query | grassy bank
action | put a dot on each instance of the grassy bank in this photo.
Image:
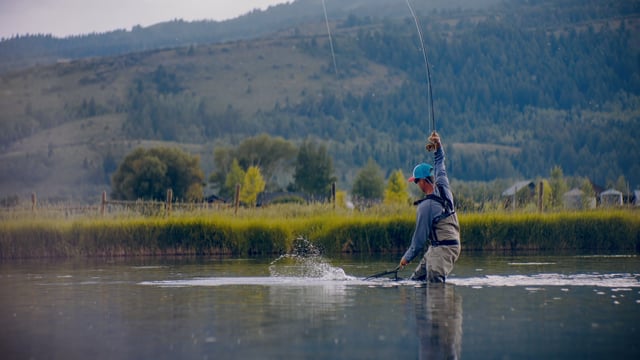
(272, 231)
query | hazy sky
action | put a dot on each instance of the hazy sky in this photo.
(73, 17)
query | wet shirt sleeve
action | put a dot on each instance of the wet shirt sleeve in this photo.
(421, 232)
(440, 172)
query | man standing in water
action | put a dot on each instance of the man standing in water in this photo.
(436, 221)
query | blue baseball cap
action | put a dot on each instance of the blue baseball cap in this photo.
(421, 171)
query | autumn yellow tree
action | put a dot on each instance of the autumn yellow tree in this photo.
(341, 199)
(396, 191)
(252, 185)
(234, 176)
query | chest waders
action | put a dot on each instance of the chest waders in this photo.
(444, 238)
(444, 229)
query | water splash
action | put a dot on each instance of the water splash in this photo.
(306, 261)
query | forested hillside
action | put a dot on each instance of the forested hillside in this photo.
(518, 88)
(24, 50)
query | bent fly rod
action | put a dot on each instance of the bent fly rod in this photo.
(432, 122)
(385, 273)
(333, 54)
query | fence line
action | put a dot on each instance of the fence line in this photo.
(167, 206)
(105, 206)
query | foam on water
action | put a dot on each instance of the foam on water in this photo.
(305, 266)
(530, 263)
(256, 281)
(337, 277)
(607, 256)
(552, 279)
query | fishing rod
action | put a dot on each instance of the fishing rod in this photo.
(333, 54)
(385, 273)
(432, 123)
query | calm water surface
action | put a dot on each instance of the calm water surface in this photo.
(494, 307)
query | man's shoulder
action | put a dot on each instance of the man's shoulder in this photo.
(428, 200)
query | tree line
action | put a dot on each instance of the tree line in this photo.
(566, 95)
(538, 84)
(148, 173)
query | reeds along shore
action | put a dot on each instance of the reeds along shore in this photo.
(272, 231)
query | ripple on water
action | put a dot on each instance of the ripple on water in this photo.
(616, 281)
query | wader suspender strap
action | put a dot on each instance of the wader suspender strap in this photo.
(447, 210)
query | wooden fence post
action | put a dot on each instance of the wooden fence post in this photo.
(237, 198)
(103, 203)
(169, 200)
(540, 197)
(333, 194)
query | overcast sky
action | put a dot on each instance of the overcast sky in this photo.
(74, 17)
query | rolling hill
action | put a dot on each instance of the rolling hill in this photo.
(518, 88)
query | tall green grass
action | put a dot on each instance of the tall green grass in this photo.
(594, 230)
(273, 230)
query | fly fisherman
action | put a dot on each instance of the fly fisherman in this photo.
(436, 221)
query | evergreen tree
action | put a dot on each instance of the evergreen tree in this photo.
(314, 170)
(369, 182)
(109, 165)
(547, 194)
(621, 185)
(558, 186)
(588, 193)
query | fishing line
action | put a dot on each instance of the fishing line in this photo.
(333, 54)
(432, 123)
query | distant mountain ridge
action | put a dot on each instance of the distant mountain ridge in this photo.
(518, 88)
(40, 49)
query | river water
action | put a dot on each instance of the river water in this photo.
(493, 307)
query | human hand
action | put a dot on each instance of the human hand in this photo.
(433, 142)
(434, 138)
(403, 263)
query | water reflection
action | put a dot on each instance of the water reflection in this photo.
(526, 307)
(308, 302)
(439, 322)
